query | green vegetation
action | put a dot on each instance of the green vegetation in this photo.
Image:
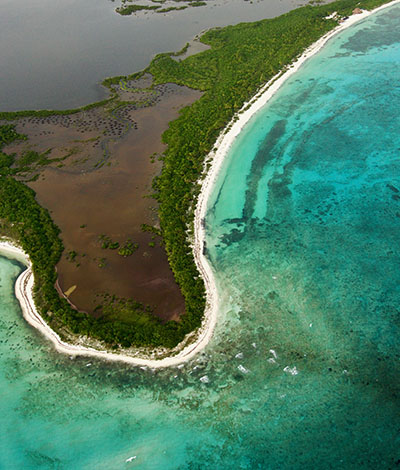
(31, 160)
(128, 249)
(8, 134)
(123, 85)
(151, 229)
(13, 115)
(241, 59)
(125, 9)
(182, 51)
(28, 161)
(132, 323)
(28, 223)
(107, 243)
(109, 81)
(71, 256)
(129, 9)
(166, 10)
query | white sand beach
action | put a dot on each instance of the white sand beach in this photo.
(224, 143)
(24, 283)
(24, 294)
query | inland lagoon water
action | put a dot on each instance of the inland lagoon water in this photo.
(303, 368)
(54, 55)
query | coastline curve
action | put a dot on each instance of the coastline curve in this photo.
(24, 283)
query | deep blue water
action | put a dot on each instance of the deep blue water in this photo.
(303, 233)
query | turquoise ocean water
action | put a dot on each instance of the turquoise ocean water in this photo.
(303, 233)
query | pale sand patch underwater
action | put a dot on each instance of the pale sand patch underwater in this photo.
(223, 145)
(183, 352)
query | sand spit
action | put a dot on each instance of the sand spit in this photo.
(24, 283)
(24, 294)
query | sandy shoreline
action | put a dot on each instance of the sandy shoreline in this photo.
(24, 294)
(224, 143)
(24, 283)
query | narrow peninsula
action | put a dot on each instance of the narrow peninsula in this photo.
(217, 91)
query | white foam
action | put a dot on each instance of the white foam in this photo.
(291, 370)
(272, 351)
(243, 369)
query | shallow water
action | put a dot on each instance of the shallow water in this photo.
(54, 55)
(302, 371)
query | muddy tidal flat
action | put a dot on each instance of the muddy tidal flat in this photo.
(99, 191)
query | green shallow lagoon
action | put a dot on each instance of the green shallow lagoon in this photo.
(303, 233)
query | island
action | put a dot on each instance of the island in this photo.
(215, 92)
